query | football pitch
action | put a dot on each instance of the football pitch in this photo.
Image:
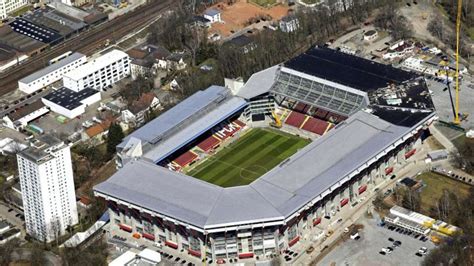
(248, 158)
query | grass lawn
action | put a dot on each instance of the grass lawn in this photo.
(248, 158)
(264, 3)
(434, 186)
(20, 11)
(310, 2)
(470, 32)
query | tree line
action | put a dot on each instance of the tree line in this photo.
(174, 32)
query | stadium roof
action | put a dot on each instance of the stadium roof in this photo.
(69, 99)
(276, 195)
(259, 83)
(345, 69)
(192, 117)
(61, 63)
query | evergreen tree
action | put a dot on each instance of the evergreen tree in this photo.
(114, 137)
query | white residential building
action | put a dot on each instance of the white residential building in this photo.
(7, 6)
(51, 73)
(289, 23)
(47, 186)
(213, 15)
(99, 73)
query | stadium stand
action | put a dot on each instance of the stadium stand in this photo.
(321, 113)
(228, 129)
(316, 125)
(295, 119)
(186, 159)
(181, 125)
(209, 144)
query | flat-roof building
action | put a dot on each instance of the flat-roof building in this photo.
(99, 73)
(51, 73)
(70, 103)
(21, 117)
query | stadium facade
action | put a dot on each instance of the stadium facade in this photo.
(369, 139)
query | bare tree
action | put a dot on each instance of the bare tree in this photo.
(435, 27)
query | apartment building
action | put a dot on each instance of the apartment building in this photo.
(51, 74)
(7, 6)
(99, 73)
(47, 186)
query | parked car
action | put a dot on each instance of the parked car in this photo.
(355, 236)
(386, 250)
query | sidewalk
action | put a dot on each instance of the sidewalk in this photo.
(442, 139)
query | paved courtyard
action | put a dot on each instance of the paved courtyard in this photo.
(365, 251)
(443, 104)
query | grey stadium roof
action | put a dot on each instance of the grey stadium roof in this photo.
(38, 74)
(259, 83)
(275, 195)
(185, 121)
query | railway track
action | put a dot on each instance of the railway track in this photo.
(86, 42)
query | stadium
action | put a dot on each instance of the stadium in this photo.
(250, 171)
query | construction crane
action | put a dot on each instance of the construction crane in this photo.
(277, 121)
(457, 121)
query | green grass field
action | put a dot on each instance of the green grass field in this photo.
(264, 3)
(435, 184)
(248, 158)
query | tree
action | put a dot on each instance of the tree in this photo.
(390, 19)
(435, 27)
(378, 202)
(114, 137)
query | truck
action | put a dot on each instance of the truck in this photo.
(34, 129)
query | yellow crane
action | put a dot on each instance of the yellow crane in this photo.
(277, 121)
(458, 32)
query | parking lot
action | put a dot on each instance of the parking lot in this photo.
(12, 216)
(365, 251)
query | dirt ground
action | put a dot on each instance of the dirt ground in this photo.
(234, 16)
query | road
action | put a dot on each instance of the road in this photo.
(86, 42)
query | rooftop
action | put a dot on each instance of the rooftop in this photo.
(53, 19)
(69, 99)
(36, 153)
(26, 110)
(275, 195)
(241, 40)
(191, 117)
(259, 83)
(35, 31)
(96, 64)
(212, 12)
(18, 41)
(38, 74)
(348, 70)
